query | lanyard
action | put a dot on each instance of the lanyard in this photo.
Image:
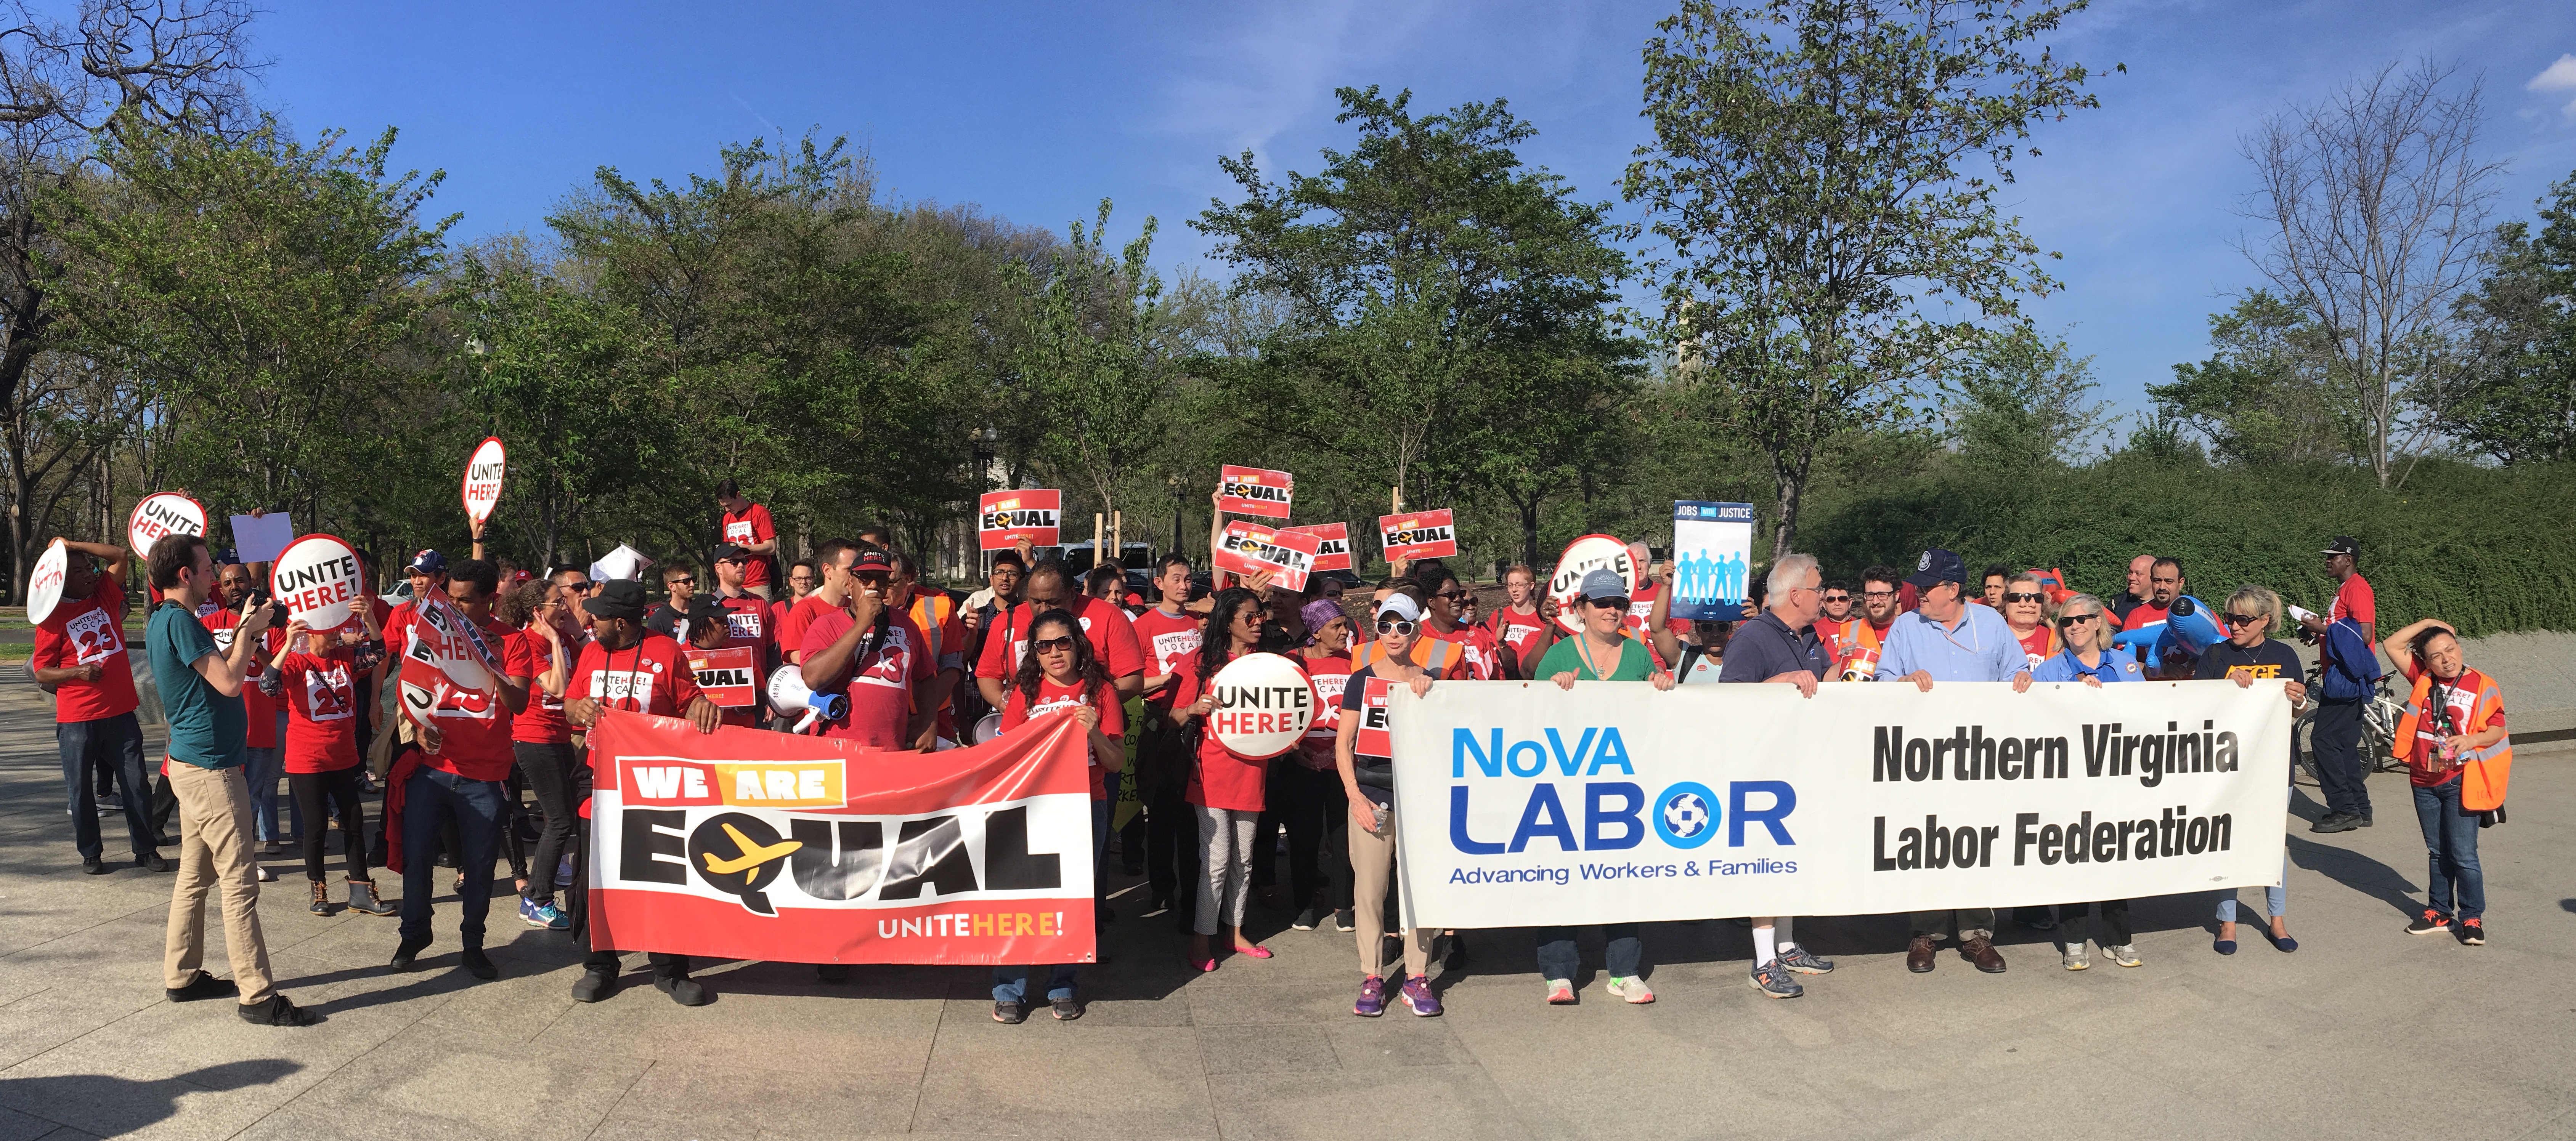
(1583, 650)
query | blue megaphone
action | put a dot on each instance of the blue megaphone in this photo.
(789, 698)
(2188, 627)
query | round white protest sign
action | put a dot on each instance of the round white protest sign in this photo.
(317, 578)
(1264, 705)
(1581, 557)
(45, 587)
(483, 479)
(163, 513)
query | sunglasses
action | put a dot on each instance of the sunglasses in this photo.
(1608, 603)
(1394, 626)
(2072, 619)
(1837, 598)
(1453, 595)
(2017, 596)
(681, 582)
(1053, 645)
(2243, 619)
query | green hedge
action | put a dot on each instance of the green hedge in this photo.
(2487, 549)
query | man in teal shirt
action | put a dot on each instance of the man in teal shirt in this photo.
(209, 730)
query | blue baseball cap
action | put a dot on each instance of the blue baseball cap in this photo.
(427, 562)
(1938, 566)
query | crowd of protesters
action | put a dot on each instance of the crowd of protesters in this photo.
(252, 698)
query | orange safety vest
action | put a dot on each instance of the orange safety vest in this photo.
(2484, 772)
(1449, 656)
(931, 611)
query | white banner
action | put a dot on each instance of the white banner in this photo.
(1518, 804)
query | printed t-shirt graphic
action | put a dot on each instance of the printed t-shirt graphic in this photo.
(650, 676)
(474, 726)
(1166, 641)
(752, 526)
(83, 632)
(321, 695)
(879, 684)
(1016, 711)
(1331, 674)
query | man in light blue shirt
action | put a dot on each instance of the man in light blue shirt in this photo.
(1945, 639)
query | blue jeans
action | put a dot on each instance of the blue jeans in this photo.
(108, 745)
(2451, 838)
(1558, 959)
(2276, 900)
(430, 797)
(1011, 984)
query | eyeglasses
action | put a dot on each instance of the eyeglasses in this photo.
(1053, 645)
(1394, 626)
(1878, 594)
(2244, 619)
(2018, 596)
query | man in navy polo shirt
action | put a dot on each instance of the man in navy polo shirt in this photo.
(1780, 646)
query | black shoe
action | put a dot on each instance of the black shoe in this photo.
(480, 965)
(152, 862)
(2365, 820)
(595, 984)
(94, 866)
(1161, 904)
(2429, 922)
(203, 986)
(1010, 1013)
(1065, 1009)
(405, 953)
(2335, 822)
(164, 840)
(277, 1011)
(683, 990)
(832, 972)
(1308, 919)
(1342, 920)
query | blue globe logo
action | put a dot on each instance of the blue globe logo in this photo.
(1686, 815)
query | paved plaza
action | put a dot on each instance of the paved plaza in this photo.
(2364, 1032)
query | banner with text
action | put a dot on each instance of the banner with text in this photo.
(747, 844)
(1250, 548)
(1712, 560)
(1006, 517)
(1254, 491)
(730, 676)
(1332, 544)
(1521, 804)
(1418, 535)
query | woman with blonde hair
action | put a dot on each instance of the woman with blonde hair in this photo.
(2247, 656)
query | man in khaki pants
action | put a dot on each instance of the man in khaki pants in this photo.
(201, 695)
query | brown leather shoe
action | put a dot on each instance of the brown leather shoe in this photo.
(1983, 954)
(1918, 955)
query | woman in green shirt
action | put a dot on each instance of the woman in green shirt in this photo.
(1602, 652)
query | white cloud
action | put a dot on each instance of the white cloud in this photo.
(2558, 76)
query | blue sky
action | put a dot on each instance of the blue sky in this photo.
(1036, 111)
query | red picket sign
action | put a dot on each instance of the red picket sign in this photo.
(730, 677)
(1003, 518)
(1418, 535)
(1249, 548)
(1371, 740)
(1333, 551)
(1254, 491)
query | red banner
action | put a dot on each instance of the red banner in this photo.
(1333, 544)
(1006, 517)
(1254, 491)
(730, 677)
(1250, 548)
(1418, 535)
(747, 844)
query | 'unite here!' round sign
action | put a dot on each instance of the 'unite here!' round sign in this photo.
(1264, 705)
(163, 513)
(317, 578)
(45, 587)
(483, 479)
(1582, 556)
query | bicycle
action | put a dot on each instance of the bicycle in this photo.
(2380, 715)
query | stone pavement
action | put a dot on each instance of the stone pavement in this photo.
(2365, 1031)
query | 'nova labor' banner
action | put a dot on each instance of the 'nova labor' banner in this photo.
(1254, 491)
(1006, 517)
(753, 845)
(1520, 804)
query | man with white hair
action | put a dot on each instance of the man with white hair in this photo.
(1780, 646)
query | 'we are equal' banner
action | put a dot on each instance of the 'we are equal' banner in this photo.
(1518, 804)
(755, 845)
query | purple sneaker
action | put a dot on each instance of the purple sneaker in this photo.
(1372, 998)
(1419, 999)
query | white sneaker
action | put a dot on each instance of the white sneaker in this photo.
(265, 875)
(2124, 954)
(2074, 958)
(1630, 988)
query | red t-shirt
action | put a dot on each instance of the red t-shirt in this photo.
(527, 654)
(647, 677)
(880, 684)
(89, 631)
(1513, 628)
(1223, 780)
(475, 732)
(747, 624)
(1166, 640)
(1113, 639)
(259, 706)
(2354, 600)
(2145, 614)
(791, 629)
(1484, 663)
(321, 695)
(1642, 604)
(2424, 767)
(752, 526)
(1332, 674)
(2039, 645)
(1052, 697)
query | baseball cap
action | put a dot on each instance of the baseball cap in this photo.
(872, 560)
(1400, 606)
(2342, 545)
(1938, 566)
(617, 598)
(1602, 582)
(729, 551)
(427, 562)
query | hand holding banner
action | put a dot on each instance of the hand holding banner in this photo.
(730, 676)
(1418, 535)
(483, 471)
(1582, 556)
(1333, 544)
(163, 513)
(1249, 548)
(1712, 560)
(1254, 491)
(45, 587)
(318, 579)
(1003, 518)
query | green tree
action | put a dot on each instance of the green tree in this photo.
(2022, 402)
(1095, 362)
(1826, 173)
(2521, 407)
(2263, 397)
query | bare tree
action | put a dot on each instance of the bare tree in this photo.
(171, 62)
(2375, 207)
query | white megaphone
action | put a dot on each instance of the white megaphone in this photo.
(789, 697)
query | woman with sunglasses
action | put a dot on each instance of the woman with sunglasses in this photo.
(1368, 781)
(2025, 611)
(2084, 629)
(2249, 655)
(1226, 792)
(1060, 673)
(1601, 652)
